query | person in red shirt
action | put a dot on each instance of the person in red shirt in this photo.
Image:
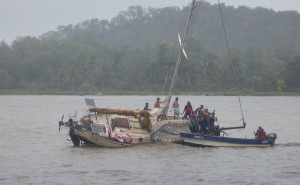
(157, 103)
(260, 133)
(188, 110)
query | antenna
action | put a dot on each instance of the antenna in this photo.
(90, 102)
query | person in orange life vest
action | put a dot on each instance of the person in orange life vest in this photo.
(260, 133)
(157, 103)
(188, 110)
(175, 108)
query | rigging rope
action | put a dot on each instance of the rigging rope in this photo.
(231, 64)
(165, 83)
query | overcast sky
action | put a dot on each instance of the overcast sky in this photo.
(35, 17)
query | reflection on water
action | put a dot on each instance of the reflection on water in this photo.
(34, 152)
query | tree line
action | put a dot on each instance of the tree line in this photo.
(136, 52)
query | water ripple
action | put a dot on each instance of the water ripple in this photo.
(34, 152)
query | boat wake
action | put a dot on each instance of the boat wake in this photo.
(289, 144)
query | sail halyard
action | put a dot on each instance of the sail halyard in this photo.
(181, 53)
(232, 67)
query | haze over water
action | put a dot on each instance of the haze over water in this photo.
(32, 151)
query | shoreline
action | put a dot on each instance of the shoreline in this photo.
(142, 93)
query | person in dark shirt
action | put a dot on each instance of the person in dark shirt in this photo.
(146, 106)
(199, 111)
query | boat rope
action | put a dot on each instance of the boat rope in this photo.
(165, 83)
(231, 64)
(213, 100)
(191, 29)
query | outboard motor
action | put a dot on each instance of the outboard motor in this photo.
(61, 123)
(74, 137)
(271, 136)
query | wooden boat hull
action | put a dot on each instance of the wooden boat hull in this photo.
(104, 141)
(138, 137)
(121, 131)
(218, 141)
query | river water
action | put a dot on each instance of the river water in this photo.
(32, 151)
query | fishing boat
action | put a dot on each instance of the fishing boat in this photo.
(201, 140)
(115, 128)
(212, 138)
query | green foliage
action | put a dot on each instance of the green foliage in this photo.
(293, 72)
(136, 52)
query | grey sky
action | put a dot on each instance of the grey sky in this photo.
(35, 17)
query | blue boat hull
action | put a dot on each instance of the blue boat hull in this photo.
(199, 140)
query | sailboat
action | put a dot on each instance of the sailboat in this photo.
(115, 128)
(200, 140)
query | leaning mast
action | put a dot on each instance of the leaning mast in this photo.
(181, 53)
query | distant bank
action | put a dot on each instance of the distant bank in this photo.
(144, 93)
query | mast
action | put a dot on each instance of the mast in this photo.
(181, 53)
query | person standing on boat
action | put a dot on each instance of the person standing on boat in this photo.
(217, 130)
(188, 110)
(199, 111)
(211, 119)
(204, 121)
(195, 123)
(146, 106)
(175, 108)
(203, 125)
(260, 133)
(157, 103)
